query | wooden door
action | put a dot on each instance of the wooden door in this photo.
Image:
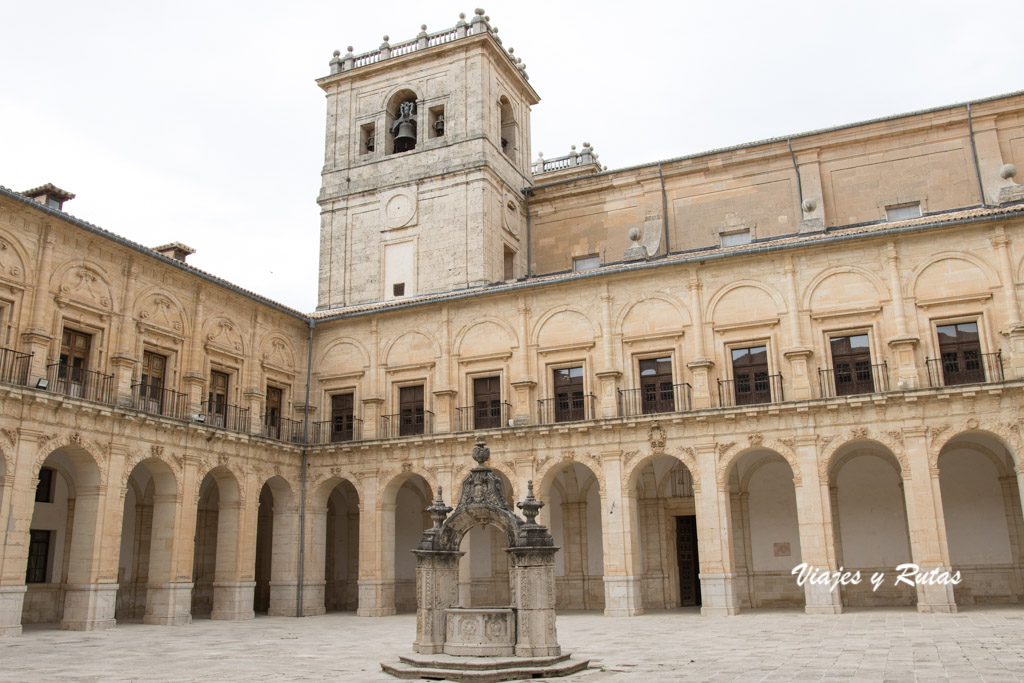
(272, 416)
(960, 351)
(72, 374)
(688, 560)
(750, 375)
(569, 401)
(217, 405)
(851, 364)
(410, 404)
(656, 393)
(342, 417)
(487, 402)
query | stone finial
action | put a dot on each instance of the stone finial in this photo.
(422, 38)
(438, 510)
(479, 12)
(531, 506)
(460, 26)
(1007, 171)
(336, 62)
(635, 251)
(809, 205)
(634, 235)
(481, 453)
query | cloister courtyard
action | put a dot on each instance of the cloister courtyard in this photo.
(869, 644)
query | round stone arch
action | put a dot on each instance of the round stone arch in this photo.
(593, 330)
(229, 487)
(362, 355)
(827, 467)
(676, 304)
(1006, 434)
(90, 468)
(550, 467)
(728, 463)
(21, 270)
(882, 294)
(991, 278)
(142, 312)
(322, 492)
(725, 290)
(634, 467)
(393, 480)
(408, 339)
(869, 448)
(511, 337)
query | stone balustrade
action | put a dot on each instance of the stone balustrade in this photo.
(480, 23)
(573, 159)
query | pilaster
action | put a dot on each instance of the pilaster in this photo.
(620, 534)
(718, 592)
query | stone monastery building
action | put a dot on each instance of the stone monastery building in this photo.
(713, 368)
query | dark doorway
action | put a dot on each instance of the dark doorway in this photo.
(750, 372)
(851, 362)
(960, 349)
(487, 403)
(689, 563)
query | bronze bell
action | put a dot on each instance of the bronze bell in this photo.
(439, 125)
(404, 127)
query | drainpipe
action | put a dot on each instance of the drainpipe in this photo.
(974, 155)
(302, 499)
(799, 184)
(526, 195)
(664, 211)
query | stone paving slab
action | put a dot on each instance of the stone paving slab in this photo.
(979, 644)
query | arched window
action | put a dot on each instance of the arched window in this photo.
(508, 128)
(402, 131)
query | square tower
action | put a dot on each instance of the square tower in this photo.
(427, 153)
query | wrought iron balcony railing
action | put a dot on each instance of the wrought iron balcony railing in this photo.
(159, 401)
(339, 430)
(14, 367)
(750, 391)
(572, 408)
(488, 416)
(225, 416)
(282, 429)
(965, 367)
(856, 379)
(79, 383)
(652, 399)
(406, 423)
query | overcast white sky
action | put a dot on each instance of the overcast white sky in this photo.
(200, 122)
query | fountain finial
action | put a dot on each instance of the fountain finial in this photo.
(481, 453)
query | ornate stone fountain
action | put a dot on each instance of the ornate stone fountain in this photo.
(488, 643)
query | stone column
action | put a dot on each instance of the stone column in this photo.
(89, 600)
(620, 534)
(701, 365)
(36, 340)
(927, 524)
(533, 598)
(233, 586)
(1015, 523)
(437, 589)
(195, 377)
(718, 592)
(814, 517)
(903, 344)
(523, 386)
(574, 533)
(314, 581)
(376, 553)
(284, 550)
(168, 601)
(800, 380)
(1014, 328)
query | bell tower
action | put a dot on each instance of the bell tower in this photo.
(427, 153)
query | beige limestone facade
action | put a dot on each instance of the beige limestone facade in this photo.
(802, 350)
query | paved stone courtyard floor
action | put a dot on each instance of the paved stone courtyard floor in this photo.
(879, 644)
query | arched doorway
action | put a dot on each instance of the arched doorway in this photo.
(277, 548)
(63, 544)
(869, 521)
(146, 587)
(573, 514)
(984, 525)
(403, 518)
(484, 568)
(765, 530)
(341, 557)
(217, 592)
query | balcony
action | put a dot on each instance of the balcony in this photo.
(14, 366)
(158, 401)
(859, 379)
(225, 416)
(650, 400)
(282, 429)
(746, 392)
(407, 423)
(965, 368)
(336, 431)
(488, 416)
(86, 384)
(573, 408)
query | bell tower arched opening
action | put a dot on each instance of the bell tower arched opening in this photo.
(402, 122)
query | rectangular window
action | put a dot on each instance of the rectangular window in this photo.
(656, 391)
(342, 417)
(569, 400)
(903, 212)
(960, 353)
(487, 403)
(272, 415)
(74, 362)
(38, 556)
(851, 365)
(217, 404)
(750, 375)
(732, 239)
(410, 405)
(44, 489)
(586, 262)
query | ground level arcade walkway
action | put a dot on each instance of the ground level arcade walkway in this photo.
(871, 645)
